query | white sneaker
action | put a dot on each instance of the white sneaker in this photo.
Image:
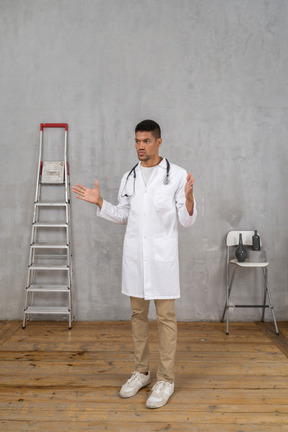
(134, 384)
(161, 392)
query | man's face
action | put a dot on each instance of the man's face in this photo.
(147, 147)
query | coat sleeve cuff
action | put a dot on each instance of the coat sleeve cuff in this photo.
(187, 219)
(101, 211)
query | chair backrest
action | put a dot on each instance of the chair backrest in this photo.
(232, 238)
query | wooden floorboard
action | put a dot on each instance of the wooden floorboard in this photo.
(55, 379)
(280, 340)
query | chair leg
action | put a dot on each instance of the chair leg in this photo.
(227, 322)
(271, 306)
(224, 311)
(265, 294)
(272, 311)
(226, 308)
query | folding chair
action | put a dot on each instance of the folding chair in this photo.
(232, 240)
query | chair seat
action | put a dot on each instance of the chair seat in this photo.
(249, 263)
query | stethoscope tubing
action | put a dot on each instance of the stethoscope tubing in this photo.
(133, 170)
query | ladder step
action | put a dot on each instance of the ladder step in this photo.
(50, 204)
(57, 258)
(50, 225)
(48, 267)
(50, 183)
(48, 288)
(47, 310)
(49, 246)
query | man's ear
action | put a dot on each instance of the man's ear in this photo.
(159, 141)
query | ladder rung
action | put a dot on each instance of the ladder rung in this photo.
(46, 310)
(48, 288)
(56, 257)
(50, 204)
(49, 246)
(50, 224)
(48, 267)
(51, 183)
(252, 306)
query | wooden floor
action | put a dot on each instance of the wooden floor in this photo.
(55, 379)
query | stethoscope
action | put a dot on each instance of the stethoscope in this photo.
(133, 170)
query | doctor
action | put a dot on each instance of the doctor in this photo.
(153, 197)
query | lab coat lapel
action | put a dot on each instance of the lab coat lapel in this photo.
(140, 185)
(139, 174)
(157, 173)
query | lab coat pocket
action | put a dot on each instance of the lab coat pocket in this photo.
(130, 249)
(161, 199)
(165, 249)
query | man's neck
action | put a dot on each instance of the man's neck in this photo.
(151, 163)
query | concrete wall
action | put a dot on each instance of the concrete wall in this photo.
(213, 73)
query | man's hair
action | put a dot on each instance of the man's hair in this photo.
(149, 126)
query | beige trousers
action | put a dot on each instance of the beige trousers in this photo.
(167, 332)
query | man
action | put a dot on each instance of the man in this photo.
(153, 197)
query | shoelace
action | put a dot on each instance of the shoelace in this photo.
(134, 376)
(158, 386)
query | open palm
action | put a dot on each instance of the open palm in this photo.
(86, 194)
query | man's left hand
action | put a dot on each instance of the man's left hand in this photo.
(189, 194)
(189, 188)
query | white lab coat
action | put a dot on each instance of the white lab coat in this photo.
(150, 267)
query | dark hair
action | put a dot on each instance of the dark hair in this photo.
(149, 126)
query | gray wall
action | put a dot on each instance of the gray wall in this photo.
(213, 73)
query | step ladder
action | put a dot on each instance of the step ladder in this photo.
(49, 280)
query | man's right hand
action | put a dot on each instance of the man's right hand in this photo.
(90, 195)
